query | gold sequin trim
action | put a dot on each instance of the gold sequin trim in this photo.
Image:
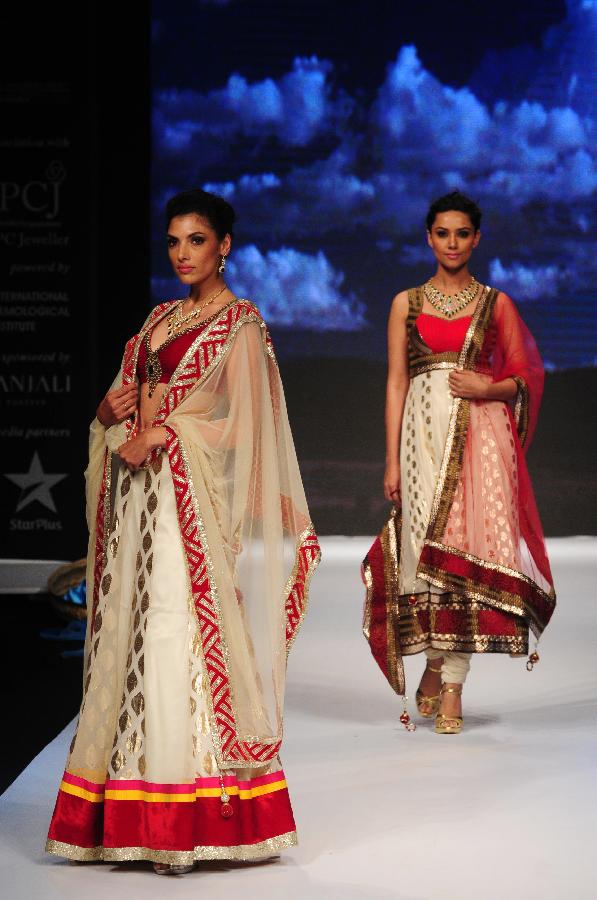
(390, 542)
(313, 563)
(459, 419)
(415, 638)
(521, 409)
(242, 853)
(431, 363)
(479, 644)
(368, 598)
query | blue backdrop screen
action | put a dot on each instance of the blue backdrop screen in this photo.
(331, 126)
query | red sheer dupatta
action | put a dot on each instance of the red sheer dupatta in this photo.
(485, 539)
(516, 356)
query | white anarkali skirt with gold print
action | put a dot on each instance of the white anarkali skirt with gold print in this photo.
(142, 780)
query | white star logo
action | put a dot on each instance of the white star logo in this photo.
(35, 485)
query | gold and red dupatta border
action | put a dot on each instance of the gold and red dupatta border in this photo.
(448, 568)
(500, 586)
(307, 558)
(381, 618)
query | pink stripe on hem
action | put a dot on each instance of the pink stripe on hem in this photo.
(126, 784)
(83, 783)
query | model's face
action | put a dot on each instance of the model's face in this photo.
(194, 248)
(452, 239)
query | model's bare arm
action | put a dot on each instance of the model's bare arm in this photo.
(396, 390)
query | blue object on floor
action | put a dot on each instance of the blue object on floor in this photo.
(77, 595)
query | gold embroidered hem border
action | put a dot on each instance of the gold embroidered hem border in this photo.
(426, 624)
(475, 644)
(242, 853)
(417, 635)
(485, 593)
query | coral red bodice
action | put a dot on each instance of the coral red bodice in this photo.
(442, 335)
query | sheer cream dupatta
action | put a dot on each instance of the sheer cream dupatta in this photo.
(232, 445)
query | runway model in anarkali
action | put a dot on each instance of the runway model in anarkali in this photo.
(461, 566)
(200, 555)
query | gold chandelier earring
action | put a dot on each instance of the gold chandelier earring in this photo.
(222, 265)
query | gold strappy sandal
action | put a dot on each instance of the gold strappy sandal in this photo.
(449, 724)
(165, 869)
(431, 702)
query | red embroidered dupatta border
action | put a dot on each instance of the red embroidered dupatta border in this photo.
(206, 352)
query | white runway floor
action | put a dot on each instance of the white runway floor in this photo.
(505, 810)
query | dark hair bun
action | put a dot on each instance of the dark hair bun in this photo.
(218, 212)
(454, 201)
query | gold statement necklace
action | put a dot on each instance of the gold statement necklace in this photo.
(176, 319)
(450, 304)
(153, 367)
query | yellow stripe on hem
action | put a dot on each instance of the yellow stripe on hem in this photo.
(232, 791)
(77, 791)
(262, 789)
(148, 797)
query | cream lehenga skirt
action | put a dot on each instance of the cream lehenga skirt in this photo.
(142, 780)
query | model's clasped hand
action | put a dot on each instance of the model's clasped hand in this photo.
(118, 405)
(134, 453)
(468, 385)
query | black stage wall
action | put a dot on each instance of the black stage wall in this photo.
(74, 267)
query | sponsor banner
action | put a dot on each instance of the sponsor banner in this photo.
(45, 358)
